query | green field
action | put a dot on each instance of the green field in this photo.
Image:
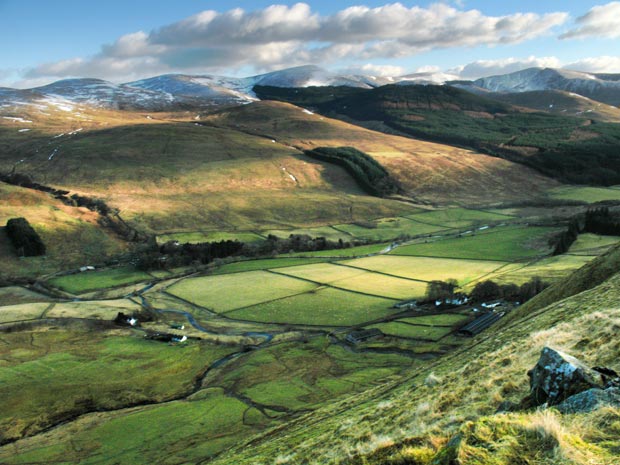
(175, 430)
(426, 333)
(82, 369)
(294, 376)
(499, 244)
(210, 236)
(426, 268)
(227, 292)
(383, 286)
(584, 194)
(327, 232)
(592, 244)
(324, 307)
(444, 319)
(550, 269)
(348, 252)
(323, 273)
(354, 279)
(386, 229)
(458, 217)
(80, 283)
(105, 310)
(13, 295)
(264, 264)
(288, 377)
(20, 312)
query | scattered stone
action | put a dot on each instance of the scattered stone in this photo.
(507, 406)
(558, 376)
(432, 380)
(590, 400)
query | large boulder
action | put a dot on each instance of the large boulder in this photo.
(590, 400)
(558, 376)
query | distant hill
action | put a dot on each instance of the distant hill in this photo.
(601, 87)
(427, 171)
(560, 103)
(569, 149)
(173, 92)
(169, 172)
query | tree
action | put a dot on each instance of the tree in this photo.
(25, 239)
(441, 290)
(531, 288)
(486, 290)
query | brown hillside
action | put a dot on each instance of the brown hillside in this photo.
(427, 170)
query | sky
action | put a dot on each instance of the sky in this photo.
(121, 41)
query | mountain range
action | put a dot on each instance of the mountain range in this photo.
(177, 91)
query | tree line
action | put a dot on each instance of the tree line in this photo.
(486, 291)
(110, 217)
(596, 221)
(369, 174)
(173, 254)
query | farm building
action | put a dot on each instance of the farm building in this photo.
(405, 304)
(479, 324)
(457, 299)
(495, 303)
(356, 337)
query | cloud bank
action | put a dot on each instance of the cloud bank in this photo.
(283, 36)
(600, 21)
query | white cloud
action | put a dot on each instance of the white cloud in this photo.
(376, 70)
(604, 64)
(483, 68)
(282, 36)
(600, 21)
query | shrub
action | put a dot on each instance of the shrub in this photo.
(25, 239)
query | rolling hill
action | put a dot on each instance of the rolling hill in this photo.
(600, 87)
(561, 103)
(427, 171)
(577, 150)
(170, 173)
(239, 169)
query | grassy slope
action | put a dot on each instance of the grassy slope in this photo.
(410, 420)
(286, 378)
(169, 174)
(84, 369)
(563, 147)
(562, 103)
(72, 235)
(426, 170)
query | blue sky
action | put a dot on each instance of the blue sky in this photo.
(124, 40)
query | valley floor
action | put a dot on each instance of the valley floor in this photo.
(268, 339)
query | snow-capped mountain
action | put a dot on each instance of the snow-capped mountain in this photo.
(171, 92)
(99, 93)
(228, 89)
(601, 87)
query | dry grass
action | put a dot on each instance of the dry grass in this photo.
(430, 171)
(72, 235)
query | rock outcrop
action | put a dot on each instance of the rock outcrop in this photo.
(561, 380)
(590, 400)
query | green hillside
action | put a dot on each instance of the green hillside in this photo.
(567, 148)
(561, 103)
